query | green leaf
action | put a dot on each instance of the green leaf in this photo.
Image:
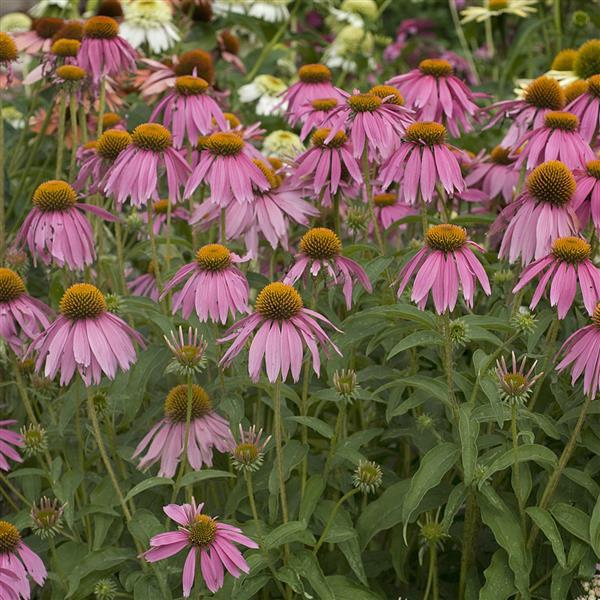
(419, 338)
(468, 428)
(543, 519)
(315, 487)
(438, 389)
(527, 452)
(203, 475)
(147, 484)
(345, 589)
(144, 525)
(455, 500)
(317, 425)
(595, 528)
(292, 531)
(307, 566)
(572, 519)
(499, 580)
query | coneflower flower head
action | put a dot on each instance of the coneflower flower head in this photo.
(35, 439)
(189, 354)
(586, 105)
(47, 517)
(515, 383)
(248, 453)
(345, 383)
(587, 61)
(367, 477)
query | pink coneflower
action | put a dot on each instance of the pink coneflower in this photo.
(314, 113)
(389, 209)
(19, 312)
(542, 95)
(63, 52)
(160, 210)
(587, 193)
(373, 121)
(55, 229)
(587, 107)
(166, 439)
(228, 48)
(214, 286)
(557, 139)
(320, 249)
(284, 328)
(85, 337)
(422, 160)
(540, 215)
(8, 439)
(145, 284)
(445, 261)
(211, 545)
(135, 172)
(495, 175)
(436, 94)
(227, 167)
(315, 82)
(581, 350)
(20, 560)
(188, 110)
(103, 51)
(39, 38)
(8, 55)
(8, 583)
(568, 263)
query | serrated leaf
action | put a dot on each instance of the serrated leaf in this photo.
(543, 519)
(147, 484)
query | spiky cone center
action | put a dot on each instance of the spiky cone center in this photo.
(160, 207)
(276, 163)
(8, 48)
(551, 182)
(230, 42)
(213, 257)
(558, 119)
(82, 301)
(545, 92)
(176, 403)
(314, 73)
(110, 8)
(65, 48)
(573, 250)
(202, 143)
(70, 73)
(9, 537)
(386, 199)
(246, 453)
(576, 89)
(320, 135)
(587, 61)
(101, 28)
(151, 136)
(501, 156)
(202, 531)
(231, 119)
(111, 143)
(320, 243)
(446, 237)
(270, 175)
(433, 532)
(324, 104)
(368, 476)
(426, 132)
(389, 92)
(47, 27)
(361, 103)
(593, 168)
(110, 120)
(54, 195)
(593, 84)
(224, 143)
(278, 301)
(596, 315)
(11, 285)
(195, 60)
(188, 85)
(436, 67)
(71, 30)
(564, 60)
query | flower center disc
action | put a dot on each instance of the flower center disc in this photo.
(101, 28)
(320, 243)
(593, 168)
(9, 537)
(232, 120)
(315, 73)
(245, 452)
(82, 301)
(273, 179)
(324, 104)
(514, 383)
(70, 73)
(203, 531)
(385, 91)
(54, 195)
(8, 48)
(160, 207)
(436, 67)
(198, 61)
(71, 30)
(278, 301)
(110, 120)
(360, 103)
(11, 285)
(177, 401)
(545, 92)
(46, 27)
(151, 136)
(213, 257)
(551, 182)
(564, 60)
(224, 143)
(596, 315)
(501, 156)
(446, 237)
(188, 85)
(571, 249)
(385, 199)
(320, 135)
(587, 61)
(65, 48)
(593, 84)
(111, 143)
(426, 132)
(558, 119)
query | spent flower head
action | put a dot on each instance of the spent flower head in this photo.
(514, 382)
(189, 354)
(459, 332)
(248, 453)
(35, 440)
(47, 517)
(367, 476)
(105, 589)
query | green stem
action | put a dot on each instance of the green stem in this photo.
(557, 24)
(101, 107)
(57, 564)
(549, 345)
(2, 167)
(186, 439)
(83, 124)
(331, 517)
(62, 110)
(74, 134)
(424, 217)
(13, 489)
(120, 257)
(336, 213)
(516, 467)
(154, 248)
(337, 434)
(469, 532)
(489, 38)
(278, 427)
(460, 34)
(449, 364)
(432, 575)
(371, 204)
(8, 499)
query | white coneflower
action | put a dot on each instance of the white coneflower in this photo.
(267, 89)
(150, 22)
(353, 12)
(282, 144)
(349, 43)
(48, 8)
(495, 8)
(267, 10)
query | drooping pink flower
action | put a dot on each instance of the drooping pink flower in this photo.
(188, 111)
(21, 561)
(214, 286)
(587, 193)
(103, 51)
(422, 160)
(9, 442)
(19, 312)
(495, 175)
(226, 165)
(320, 249)
(211, 544)
(568, 264)
(8, 55)
(587, 108)
(557, 139)
(436, 94)
(85, 337)
(135, 173)
(285, 327)
(314, 113)
(145, 284)
(540, 215)
(39, 38)
(228, 48)
(389, 209)
(445, 262)
(55, 229)
(166, 439)
(62, 52)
